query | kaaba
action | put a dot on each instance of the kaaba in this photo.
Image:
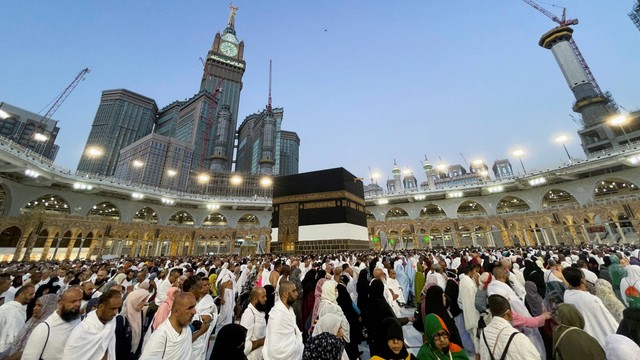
(318, 212)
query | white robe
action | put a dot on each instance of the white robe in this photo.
(598, 321)
(466, 302)
(394, 286)
(52, 348)
(205, 307)
(283, 338)
(226, 310)
(13, 316)
(517, 305)
(166, 343)
(256, 325)
(497, 334)
(91, 339)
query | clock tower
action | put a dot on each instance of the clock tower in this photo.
(224, 67)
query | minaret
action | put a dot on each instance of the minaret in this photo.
(219, 159)
(396, 177)
(428, 171)
(225, 66)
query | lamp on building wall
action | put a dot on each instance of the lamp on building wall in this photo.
(93, 153)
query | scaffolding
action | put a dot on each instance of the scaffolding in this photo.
(635, 14)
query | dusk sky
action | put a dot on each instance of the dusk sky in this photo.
(361, 82)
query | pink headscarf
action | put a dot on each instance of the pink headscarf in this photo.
(165, 308)
(316, 304)
(133, 317)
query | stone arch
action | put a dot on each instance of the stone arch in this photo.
(215, 219)
(66, 239)
(248, 220)
(396, 213)
(370, 216)
(471, 208)
(47, 203)
(105, 209)
(556, 197)
(509, 204)
(181, 218)
(614, 187)
(432, 211)
(41, 240)
(10, 237)
(145, 215)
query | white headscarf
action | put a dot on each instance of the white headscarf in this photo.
(327, 323)
(619, 347)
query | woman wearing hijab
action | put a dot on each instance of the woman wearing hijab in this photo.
(165, 308)
(316, 304)
(632, 280)
(418, 283)
(392, 346)
(329, 305)
(229, 343)
(129, 332)
(326, 341)
(297, 306)
(437, 345)
(379, 310)
(347, 306)
(308, 287)
(436, 303)
(532, 272)
(618, 347)
(44, 306)
(604, 291)
(532, 299)
(617, 272)
(570, 341)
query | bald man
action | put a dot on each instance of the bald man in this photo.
(283, 340)
(253, 320)
(48, 340)
(172, 339)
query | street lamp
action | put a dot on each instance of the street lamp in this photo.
(171, 173)
(562, 139)
(203, 179)
(266, 181)
(236, 180)
(518, 153)
(620, 120)
(92, 153)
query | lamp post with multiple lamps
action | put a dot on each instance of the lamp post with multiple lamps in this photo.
(519, 153)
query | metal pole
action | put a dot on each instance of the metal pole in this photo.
(625, 136)
(521, 164)
(567, 151)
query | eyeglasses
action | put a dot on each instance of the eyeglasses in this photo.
(440, 335)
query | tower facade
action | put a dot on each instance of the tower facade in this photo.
(259, 143)
(29, 130)
(224, 68)
(591, 103)
(635, 14)
(123, 117)
(289, 153)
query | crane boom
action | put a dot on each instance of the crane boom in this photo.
(560, 21)
(63, 96)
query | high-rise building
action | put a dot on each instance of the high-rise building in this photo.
(156, 160)
(635, 14)
(224, 68)
(167, 119)
(289, 153)
(123, 117)
(29, 130)
(192, 128)
(259, 143)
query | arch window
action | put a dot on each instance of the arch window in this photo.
(432, 211)
(146, 215)
(105, 209)
(396, 214)
(47, 203)
(9, 237)
(181, 218)
(509, 204)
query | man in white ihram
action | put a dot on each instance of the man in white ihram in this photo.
(13, 316)
(283, 339)
(172, 339)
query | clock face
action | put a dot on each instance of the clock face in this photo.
(228, 49)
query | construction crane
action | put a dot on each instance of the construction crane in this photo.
(213, 104)
(563, 22)
(65, 93)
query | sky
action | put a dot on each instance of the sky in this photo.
(363, 83)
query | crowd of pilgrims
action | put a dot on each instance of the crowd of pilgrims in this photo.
(490, 304)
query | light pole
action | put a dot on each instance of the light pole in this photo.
(204, 179)
(138, 164)
(562, 139)
(620, 120)
(518, 153)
